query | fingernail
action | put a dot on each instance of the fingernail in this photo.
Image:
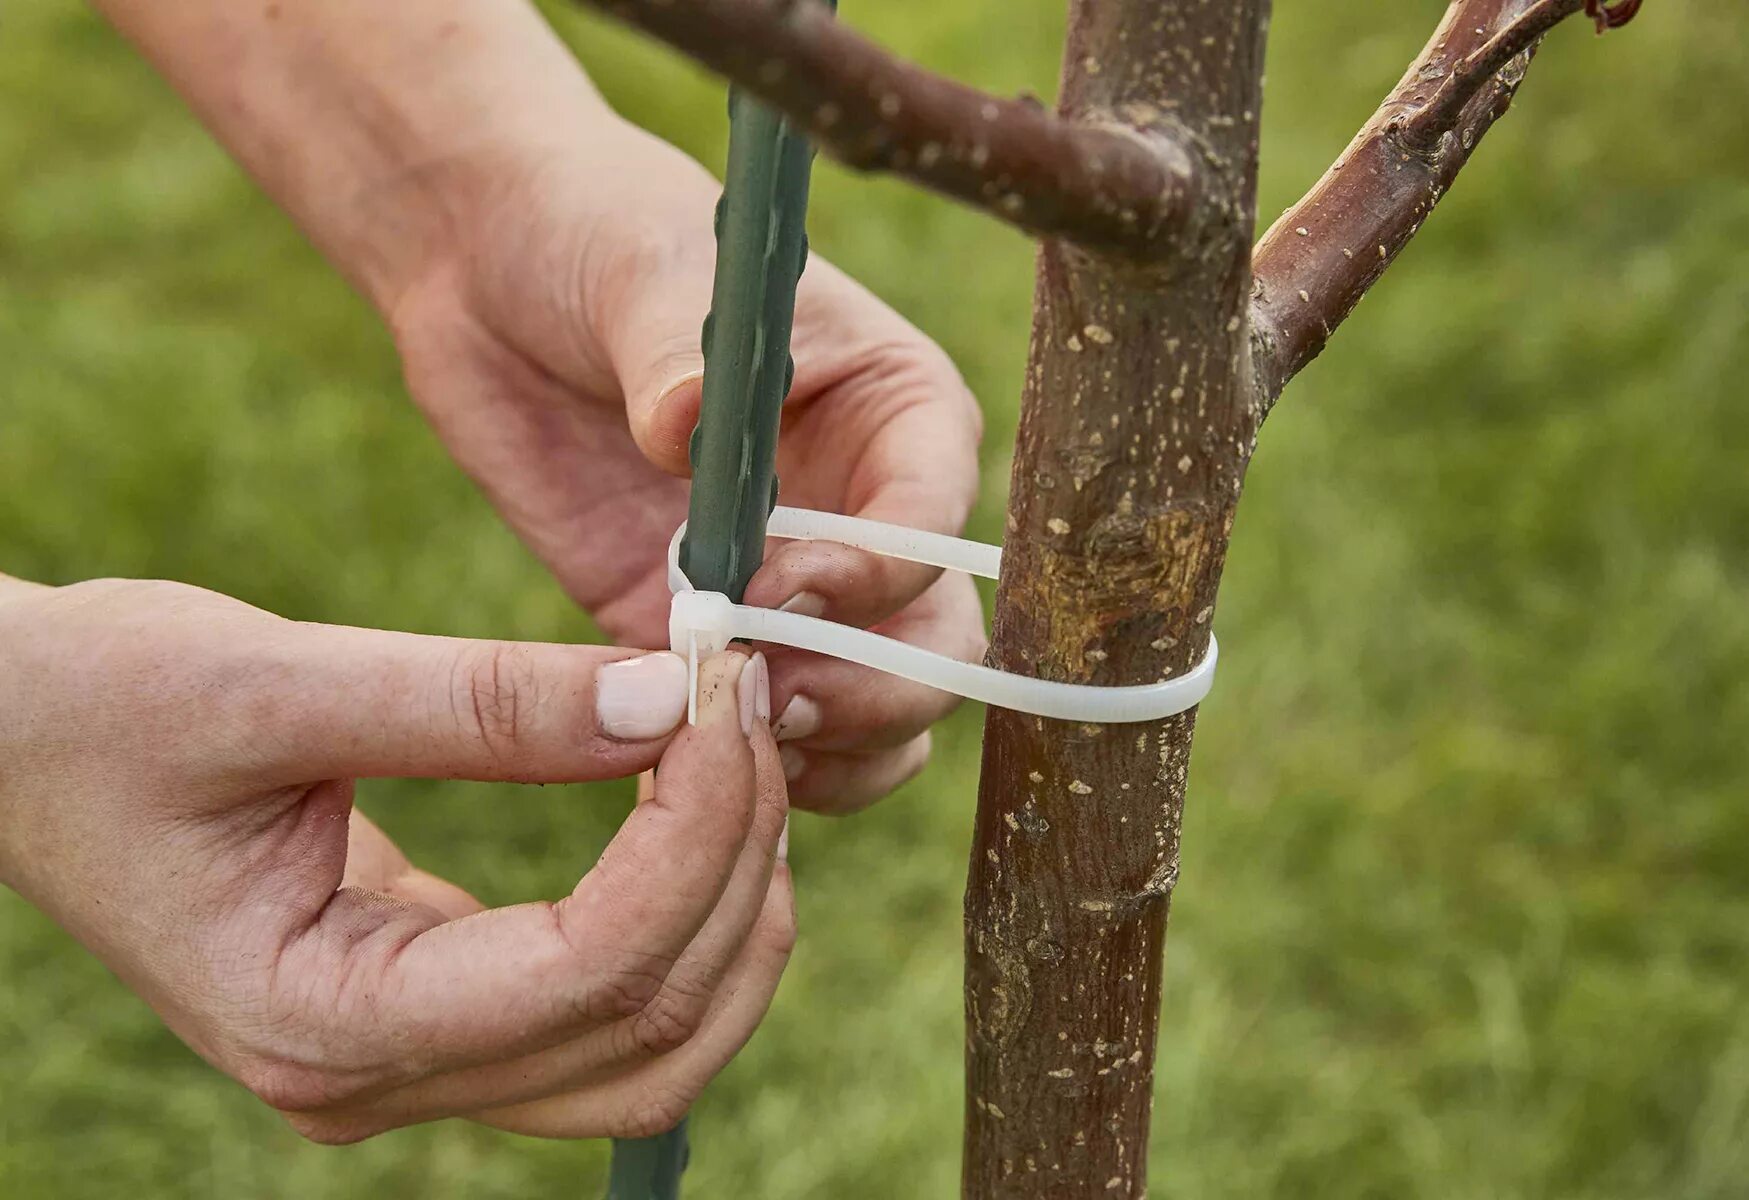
(794, 762)
(754, 693)
(800, 719)
(678, 382)
(783, 842)
(637, 699)
(670, 432)
(809, 604)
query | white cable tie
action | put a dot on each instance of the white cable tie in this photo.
(704, 623)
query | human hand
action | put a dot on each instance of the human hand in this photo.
(555, 348)
(176, 792)
(546, 268)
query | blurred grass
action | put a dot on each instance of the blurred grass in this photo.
(1465, 900)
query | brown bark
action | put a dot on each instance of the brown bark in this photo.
(1137, 421)
(1322, 255)
(1126, 186)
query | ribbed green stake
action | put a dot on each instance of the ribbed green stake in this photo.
(648, 1168)
(762, 245)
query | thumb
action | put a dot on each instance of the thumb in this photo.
(655, 351)
(348, 703)
(663, 424)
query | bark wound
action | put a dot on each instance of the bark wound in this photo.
(1137, 421)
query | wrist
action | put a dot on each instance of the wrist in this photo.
(426, 192)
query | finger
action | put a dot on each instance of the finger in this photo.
(416, 998)
(330, 701)
(691, 985)
(375, 863)
(849, 709)
(652, 1098)
(664, 410)
(840, 784)
(671, 1019)
(898, 438)
(653, 344)
(829, 704)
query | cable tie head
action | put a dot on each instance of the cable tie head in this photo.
(704, 620)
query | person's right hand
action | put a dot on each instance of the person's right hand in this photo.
(175, 791)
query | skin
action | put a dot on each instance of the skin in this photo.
(176, 768)
(178, 796)
(546, 268)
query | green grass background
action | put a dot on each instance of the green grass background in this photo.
(1465, 899)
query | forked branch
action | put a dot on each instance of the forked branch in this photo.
(1107, 186)
(1322, 255)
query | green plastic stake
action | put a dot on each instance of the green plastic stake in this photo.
(648, 1168)
(762, 245)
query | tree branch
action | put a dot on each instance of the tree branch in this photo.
(1322, 255)
(1105, 185)
(1445, 110)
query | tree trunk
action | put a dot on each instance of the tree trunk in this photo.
(1137, 420)
(1153, 361)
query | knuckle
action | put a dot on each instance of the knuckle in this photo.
(129, 592)
(652, 1115)
(331, 1131)
(916, 758)
(975, 646)
(674, 1017)
(958, 615)
(495, 687)
(974, 413)
(294, 1087)
(667, 1023)
(952, 387)
(778, 932)
(626, 993)
(125, 606)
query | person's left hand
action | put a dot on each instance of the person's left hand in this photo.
(555, 349)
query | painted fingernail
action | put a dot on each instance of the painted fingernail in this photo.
(808, 604)
(754, 693)
(783, 842)
(637, 699)
(800, 719)
(794, 762)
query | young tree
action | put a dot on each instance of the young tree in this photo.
(1161, 338)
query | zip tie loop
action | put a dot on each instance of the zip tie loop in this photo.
(704, 623)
